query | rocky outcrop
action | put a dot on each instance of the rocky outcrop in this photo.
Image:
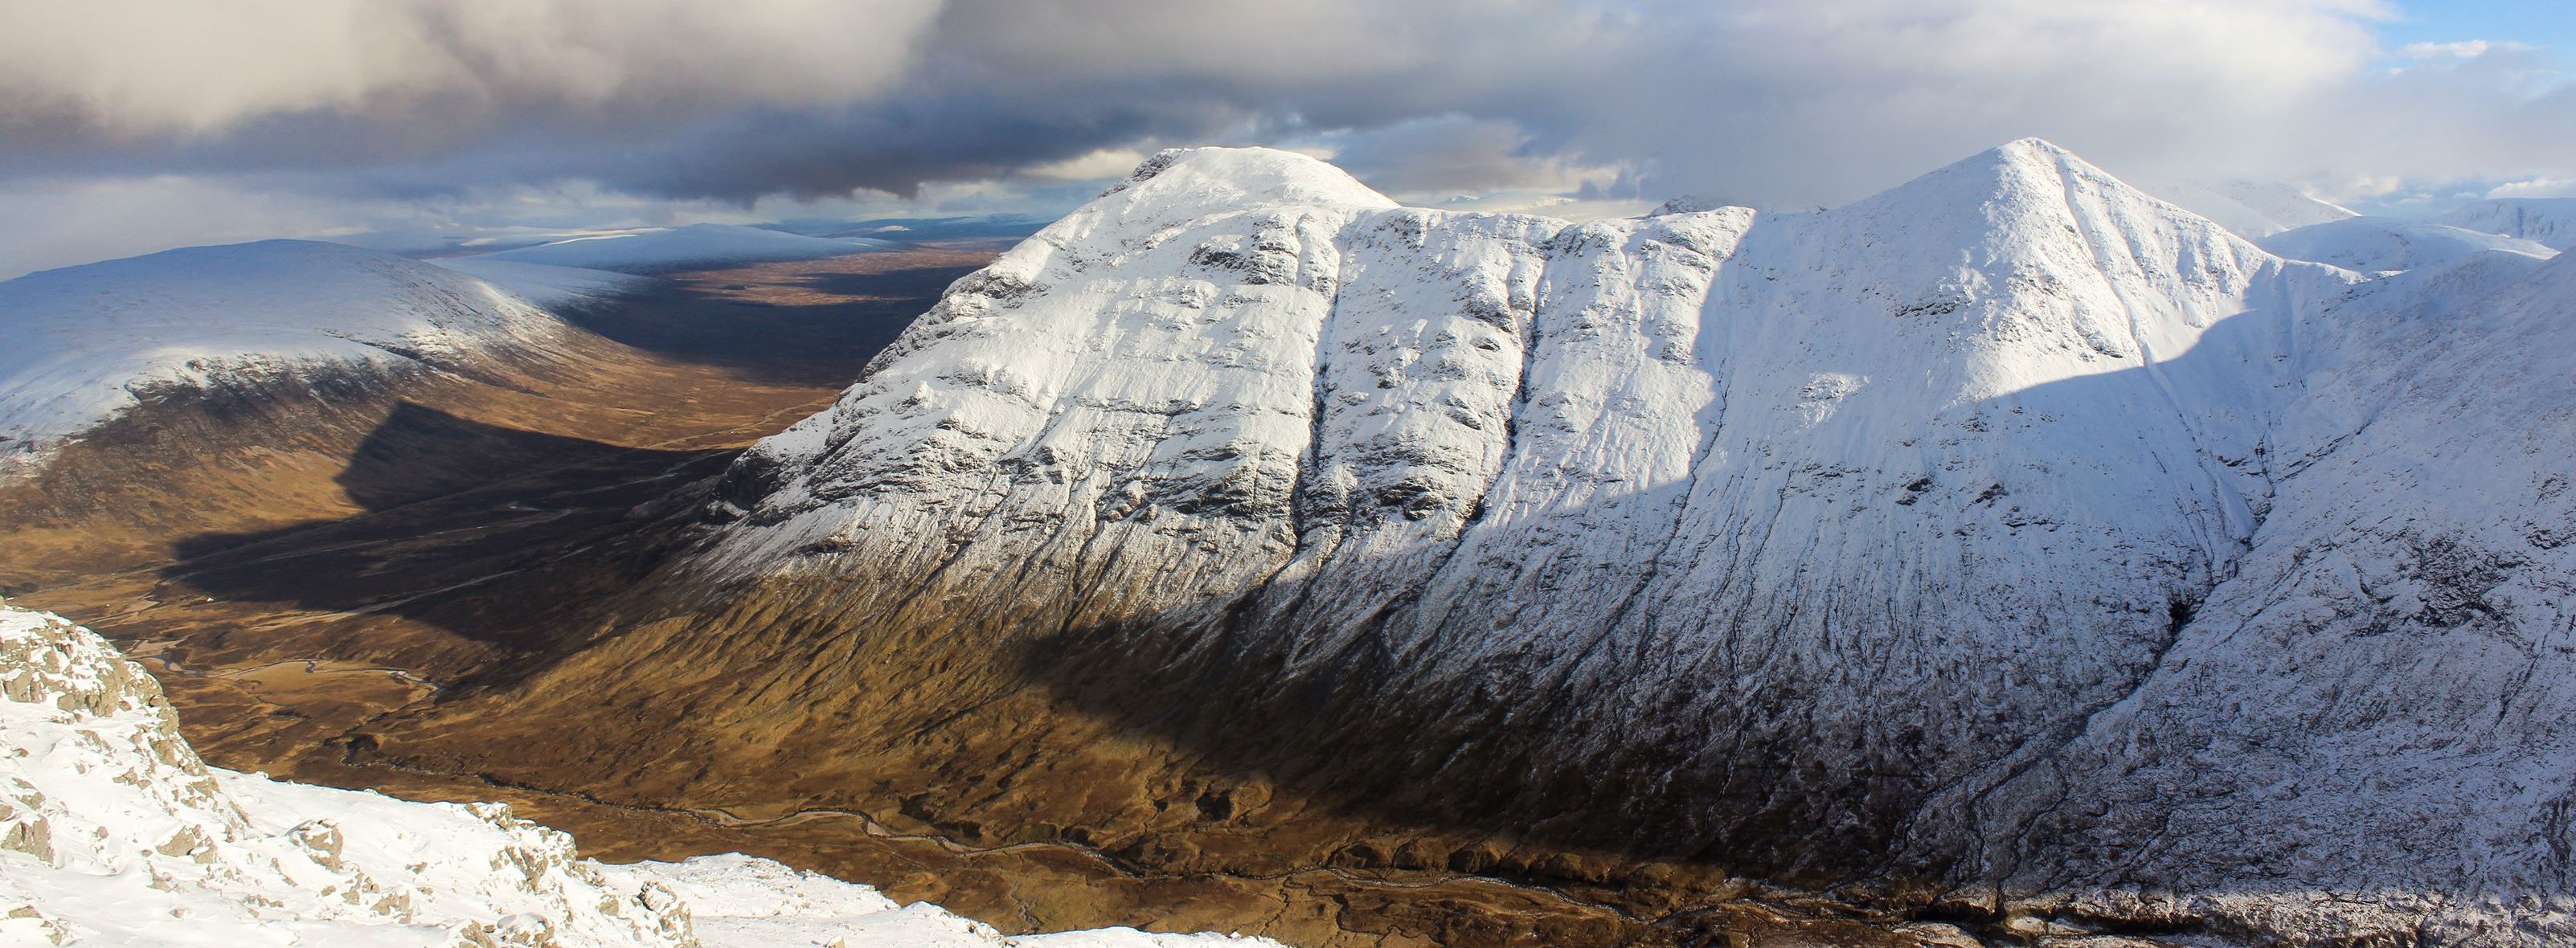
(116, 833)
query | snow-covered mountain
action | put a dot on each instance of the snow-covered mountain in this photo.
(2012, 528)
(2253, 209)
(546, 284)
(85, 343)
(2547, 221)
(681, 248)
(114, 833)
(2381, 244)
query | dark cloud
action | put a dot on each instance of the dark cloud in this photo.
(1779, 102)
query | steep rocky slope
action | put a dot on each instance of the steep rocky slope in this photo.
(113, 832)
(2011, 542)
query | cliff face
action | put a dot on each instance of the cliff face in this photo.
(2011, 530)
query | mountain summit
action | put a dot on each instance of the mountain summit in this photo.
(2012, 530)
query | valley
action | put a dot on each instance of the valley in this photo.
(343, 564)
(1248, 551)
(992, 474)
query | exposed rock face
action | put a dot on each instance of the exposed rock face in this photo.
(2011, 530)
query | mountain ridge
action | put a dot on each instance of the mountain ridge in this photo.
(92, 341)
(1835, 547)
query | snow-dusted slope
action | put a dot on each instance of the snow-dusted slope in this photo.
(2547, 221)
(79, 344)
(114, 833)
(2366, 731)
(2380, 244)
(2252, 209)
(1804, 537)
(679, 248)
(548, 285)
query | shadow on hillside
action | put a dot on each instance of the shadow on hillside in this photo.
(1687, 736)
(494, 534)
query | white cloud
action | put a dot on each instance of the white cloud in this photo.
(2463, 49)
(142, 67)
(1091, 166)
(54, 223)
(2534, 188)
(366, 110)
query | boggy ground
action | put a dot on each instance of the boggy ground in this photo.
(315, 572)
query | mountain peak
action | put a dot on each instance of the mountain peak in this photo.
(1234, 176)
(2014, 165)
(2032, 149)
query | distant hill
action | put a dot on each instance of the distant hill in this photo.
(683, 248)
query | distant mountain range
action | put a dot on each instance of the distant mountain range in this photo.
(682, 248)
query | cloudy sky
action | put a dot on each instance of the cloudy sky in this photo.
(134, 125)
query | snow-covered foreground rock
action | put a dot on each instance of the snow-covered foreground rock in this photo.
(82, 344)
(113, 833)
(680, 248)
(2012, 529)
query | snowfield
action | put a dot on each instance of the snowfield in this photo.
(114, 833)
(85, 343)
(2383, 244)
(681, 248)
(2547, 221)
(2252, 209)
(2062, 544)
